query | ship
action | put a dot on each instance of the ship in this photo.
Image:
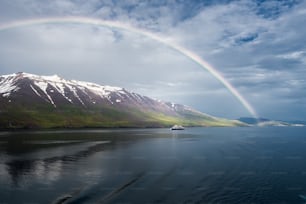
(177, 127)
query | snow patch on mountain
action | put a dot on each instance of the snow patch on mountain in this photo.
(43, 86)
(35, 91)
(60, 88)
(7, 85)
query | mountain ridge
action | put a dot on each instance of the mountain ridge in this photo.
(33, 101)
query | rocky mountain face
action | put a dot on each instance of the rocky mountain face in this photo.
(32, 101)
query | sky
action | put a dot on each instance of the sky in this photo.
(258, 46)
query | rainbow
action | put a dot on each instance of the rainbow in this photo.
(119, 25)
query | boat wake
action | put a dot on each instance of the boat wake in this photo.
(87, 194)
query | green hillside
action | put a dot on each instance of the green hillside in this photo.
(74, 117)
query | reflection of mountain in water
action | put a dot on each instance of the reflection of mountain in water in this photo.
(45, 158)
(47, 171)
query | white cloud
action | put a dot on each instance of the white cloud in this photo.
(259, 47)
(293, 55)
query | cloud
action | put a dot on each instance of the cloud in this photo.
(94, 54)
(259, 46)
(293, 55)
(257, 52)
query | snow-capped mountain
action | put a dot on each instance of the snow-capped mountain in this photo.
(30, 100)
(56, 90)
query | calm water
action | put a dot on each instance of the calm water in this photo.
(198, 165)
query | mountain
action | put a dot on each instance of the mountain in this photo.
(297, 122)
(32, 101)
(252, 121)
(267, 122)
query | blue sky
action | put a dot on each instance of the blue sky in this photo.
(259, 46)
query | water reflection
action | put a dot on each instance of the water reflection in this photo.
(41, 156)
(48, 169)
(45, 172)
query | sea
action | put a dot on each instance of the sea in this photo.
(195, 165)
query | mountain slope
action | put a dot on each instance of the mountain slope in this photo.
(32, 101)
